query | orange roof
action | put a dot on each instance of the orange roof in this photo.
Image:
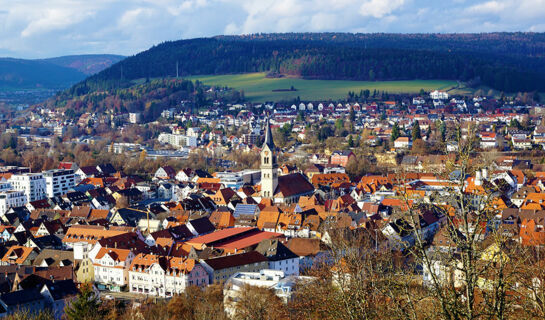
(268, 218)
(223, 219)
(98, 214)
(471, 187)
(116, 254)
(17, 254)
(91, 234)
(144, 261)
(518, 174)
(251, 240)
(208, 180)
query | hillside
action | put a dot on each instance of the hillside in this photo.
(505, 61)
(27, 74)
(87, 64)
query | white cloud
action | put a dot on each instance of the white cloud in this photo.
(380, 8)
(38, 28)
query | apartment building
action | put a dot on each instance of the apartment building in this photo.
(32, 184)
(164, 276)
(59, 181)
(10, 199)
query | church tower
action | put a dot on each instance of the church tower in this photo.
(269, 167)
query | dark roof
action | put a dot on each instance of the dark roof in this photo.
(62, 289)
(89, 171)
(49, 241)
(132, 217)
(274, 250)
(202, 225)
(202, 174)
(294, 184)
(177, 233)
(235, 260)
(40, 204)
(268, 136)
(106, 168)
(21, 297)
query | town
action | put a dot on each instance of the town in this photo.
(262, 195)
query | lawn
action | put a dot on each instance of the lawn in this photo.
(258, 88)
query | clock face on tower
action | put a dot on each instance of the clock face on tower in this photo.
(266, 153)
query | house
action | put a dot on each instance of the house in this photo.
(165, 276)
(222, 219)
(184, 175)
(29, 299)
(403, 143)
(280, 257)
(165, 173)
(19, 255)
(90, 235)
(341, 158)
(222, 268)
(58, 294)
(130, 217)
(488, 140)
(111, 268)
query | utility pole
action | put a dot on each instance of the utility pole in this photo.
(177, 73)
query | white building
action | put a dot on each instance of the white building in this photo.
(111, 267)
(194, 132)
(282, 285)
(177, 140)
(59, 181)
(135, 117)
(32, 184)
(10, 199)
(164, 276)
(438, 95)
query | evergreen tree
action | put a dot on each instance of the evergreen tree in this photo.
(352, 115)
(350, 141)
(443, 131)
(85, 307)
(395, 132)
(416, 134)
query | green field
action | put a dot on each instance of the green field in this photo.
(258, 88)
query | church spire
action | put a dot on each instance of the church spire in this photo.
(268, 136)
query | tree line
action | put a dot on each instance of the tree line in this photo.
(323, 59)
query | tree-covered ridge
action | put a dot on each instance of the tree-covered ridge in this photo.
(508, 62)
(149, 98)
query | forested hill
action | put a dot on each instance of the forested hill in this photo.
(505, 61)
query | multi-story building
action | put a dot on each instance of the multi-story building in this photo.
(32, 184)
(111, 268)
(178, 140)
(10, 199)
(283, 285)
(59, 181)
(164, 276)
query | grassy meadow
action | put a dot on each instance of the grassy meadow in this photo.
(258, 88)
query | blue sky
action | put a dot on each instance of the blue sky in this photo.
(47, 28)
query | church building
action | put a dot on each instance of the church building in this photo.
(284, 189)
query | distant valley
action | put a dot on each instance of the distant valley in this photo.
(30, 81)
